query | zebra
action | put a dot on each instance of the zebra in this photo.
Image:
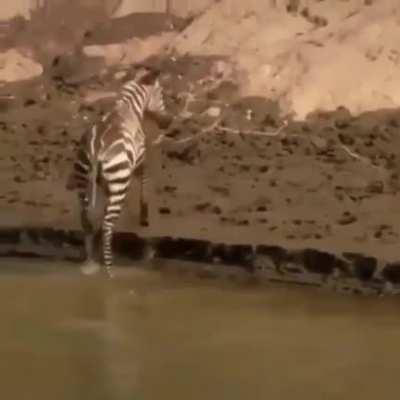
(108, 155)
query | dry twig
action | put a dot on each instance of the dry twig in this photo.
(203, 132)
(216, 126)
(254, 132)
(358, 157)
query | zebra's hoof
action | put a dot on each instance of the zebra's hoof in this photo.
(150, 253)
(388, 289)
(90, 268)
(110, 275)
(144, 223)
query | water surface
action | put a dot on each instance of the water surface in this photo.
(157, 336)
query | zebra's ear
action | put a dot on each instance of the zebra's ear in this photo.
(141, 75)
(157, 84)
(146, 75)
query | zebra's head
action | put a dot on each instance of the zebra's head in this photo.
(156, 106)
(155, 102)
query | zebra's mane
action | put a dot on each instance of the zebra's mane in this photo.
(143, 76)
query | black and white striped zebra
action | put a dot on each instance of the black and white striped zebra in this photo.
(108, 155)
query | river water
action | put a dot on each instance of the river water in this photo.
(152, 335)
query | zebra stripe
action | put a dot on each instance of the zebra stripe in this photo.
(110, 153)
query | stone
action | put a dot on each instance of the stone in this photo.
(213, 112)
(132, 51)
(221, 69)
(112, 53)
(185, 114)
(14, 66)
(319, 142)
(6, 102)
(92, 96)
(120, 75)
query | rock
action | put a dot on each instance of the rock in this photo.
(376, 187)
(14, 66)
(213, 112)
(342, 117)
(185, 114)
(352, 179)
(112, 53)
(304, 176)
(347, 218)
(249, 114)
(221, 70)
(120, 75)
(132, 51)
(346, 139)
(319, 142)
(93, 96)
(6, 102)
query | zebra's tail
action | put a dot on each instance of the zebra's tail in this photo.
(92, 187)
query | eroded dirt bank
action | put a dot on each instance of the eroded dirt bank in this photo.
(230, 169)
(329, 183)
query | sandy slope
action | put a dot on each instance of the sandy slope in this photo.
(318, 55)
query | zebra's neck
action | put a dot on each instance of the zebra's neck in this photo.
(133, 100)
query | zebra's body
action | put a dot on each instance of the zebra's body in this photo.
(109, 154)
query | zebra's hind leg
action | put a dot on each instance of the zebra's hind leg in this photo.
(89, 267)
(144, 197)
(116, 196)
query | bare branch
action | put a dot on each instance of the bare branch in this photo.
(358, 157)
(254, 132)
(216, 126)
(204, 131)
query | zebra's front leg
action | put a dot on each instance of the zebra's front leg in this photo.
(108, 230)
(149, 252)
(89, 267)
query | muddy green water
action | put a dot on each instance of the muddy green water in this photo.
(154, 336)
